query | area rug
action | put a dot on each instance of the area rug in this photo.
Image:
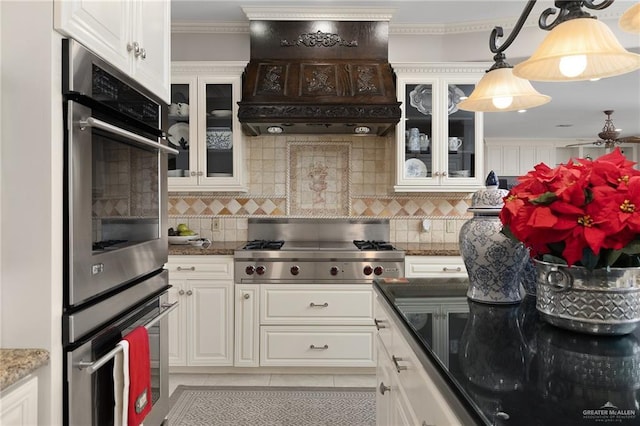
(271, 406)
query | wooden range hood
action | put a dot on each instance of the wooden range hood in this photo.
(318, 77)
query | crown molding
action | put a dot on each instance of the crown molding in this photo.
(301, 13)
(353, 14)
(210, 27)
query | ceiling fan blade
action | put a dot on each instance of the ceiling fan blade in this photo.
(629, 139)
(580, 144)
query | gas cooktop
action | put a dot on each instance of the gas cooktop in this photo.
(361, 245)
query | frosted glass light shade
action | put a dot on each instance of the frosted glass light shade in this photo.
(497, 86)
(630, 20)
(582, 36)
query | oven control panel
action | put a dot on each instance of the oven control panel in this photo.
(291, 271)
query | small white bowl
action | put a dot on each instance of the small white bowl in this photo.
(200, 242)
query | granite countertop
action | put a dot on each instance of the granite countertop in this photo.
(505, 362)
(429, 249)
(18, 363)
(217, 248)
(227, 248)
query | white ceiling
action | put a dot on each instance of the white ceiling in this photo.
(577, 104)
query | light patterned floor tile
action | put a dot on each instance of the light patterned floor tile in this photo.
(354, 380)
(320, 380)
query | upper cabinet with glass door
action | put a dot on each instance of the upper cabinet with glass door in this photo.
(204, 128)
(439, 148)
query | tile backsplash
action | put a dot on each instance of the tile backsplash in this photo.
(321, 176)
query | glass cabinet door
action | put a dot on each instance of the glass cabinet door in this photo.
(418, 131)
(461, 134)
(181, 132)
(218, 127)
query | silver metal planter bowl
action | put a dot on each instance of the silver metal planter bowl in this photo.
(598, 301)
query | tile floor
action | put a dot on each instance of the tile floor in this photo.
(317, 380)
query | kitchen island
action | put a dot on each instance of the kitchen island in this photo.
(502, 364)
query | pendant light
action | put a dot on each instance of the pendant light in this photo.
(499, 89)
(630, 20)
(578, 49)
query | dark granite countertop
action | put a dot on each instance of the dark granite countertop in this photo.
(18, 363)
(216, 248)
(509, 367)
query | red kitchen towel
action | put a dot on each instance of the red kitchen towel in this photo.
(139, 376)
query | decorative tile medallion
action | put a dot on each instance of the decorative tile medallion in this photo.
(318, 178)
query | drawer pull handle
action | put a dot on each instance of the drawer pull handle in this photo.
(319, 347)
(399, 367)
(314, 305)
(180, 268)
(383, 388)
(379, 324)
(458, 269)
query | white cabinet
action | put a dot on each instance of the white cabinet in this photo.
(247, 325)
(19, 403)
(201, 329)
(434, 266)
(429, 94)
(516, 158)
(134, 36)
(320, 325)
(414, 397)
(207, 134)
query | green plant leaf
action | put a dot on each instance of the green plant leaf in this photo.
(632, 248)
(612, 257)
(546, 198)
(553, 259)
(506, 231)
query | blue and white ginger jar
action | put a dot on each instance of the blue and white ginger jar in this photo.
(494, 262)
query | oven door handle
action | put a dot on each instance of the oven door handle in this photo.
(91, 367)
(99, 124)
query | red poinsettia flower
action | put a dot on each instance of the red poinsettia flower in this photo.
(585, 212)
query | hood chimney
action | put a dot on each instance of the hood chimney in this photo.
(318, 77)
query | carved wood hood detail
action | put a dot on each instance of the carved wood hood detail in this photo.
(318, 77)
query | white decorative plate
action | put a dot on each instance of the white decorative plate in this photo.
(420, 98)
(414, 167)
(178, 134)
(221, 113)
(455, 93)
(182, 240)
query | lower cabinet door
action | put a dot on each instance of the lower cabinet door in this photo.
(384, 387)
(247, 325)
(326, 346)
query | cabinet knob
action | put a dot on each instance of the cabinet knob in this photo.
(436, 174)
(135, 47)
(189, 292)
(379, 324)
(444, 173)
(181, 292)
(383, 388)
(194, 174)
(399, 367)
(246, 295)
(200, 173)
(143, 53)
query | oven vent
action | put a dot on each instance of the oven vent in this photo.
(318, 77)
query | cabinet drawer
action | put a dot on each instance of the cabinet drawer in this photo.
(337, 346)
(316, 304)
(434, 266)
(212, 266)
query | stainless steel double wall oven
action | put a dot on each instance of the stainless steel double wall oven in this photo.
(115, 243)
